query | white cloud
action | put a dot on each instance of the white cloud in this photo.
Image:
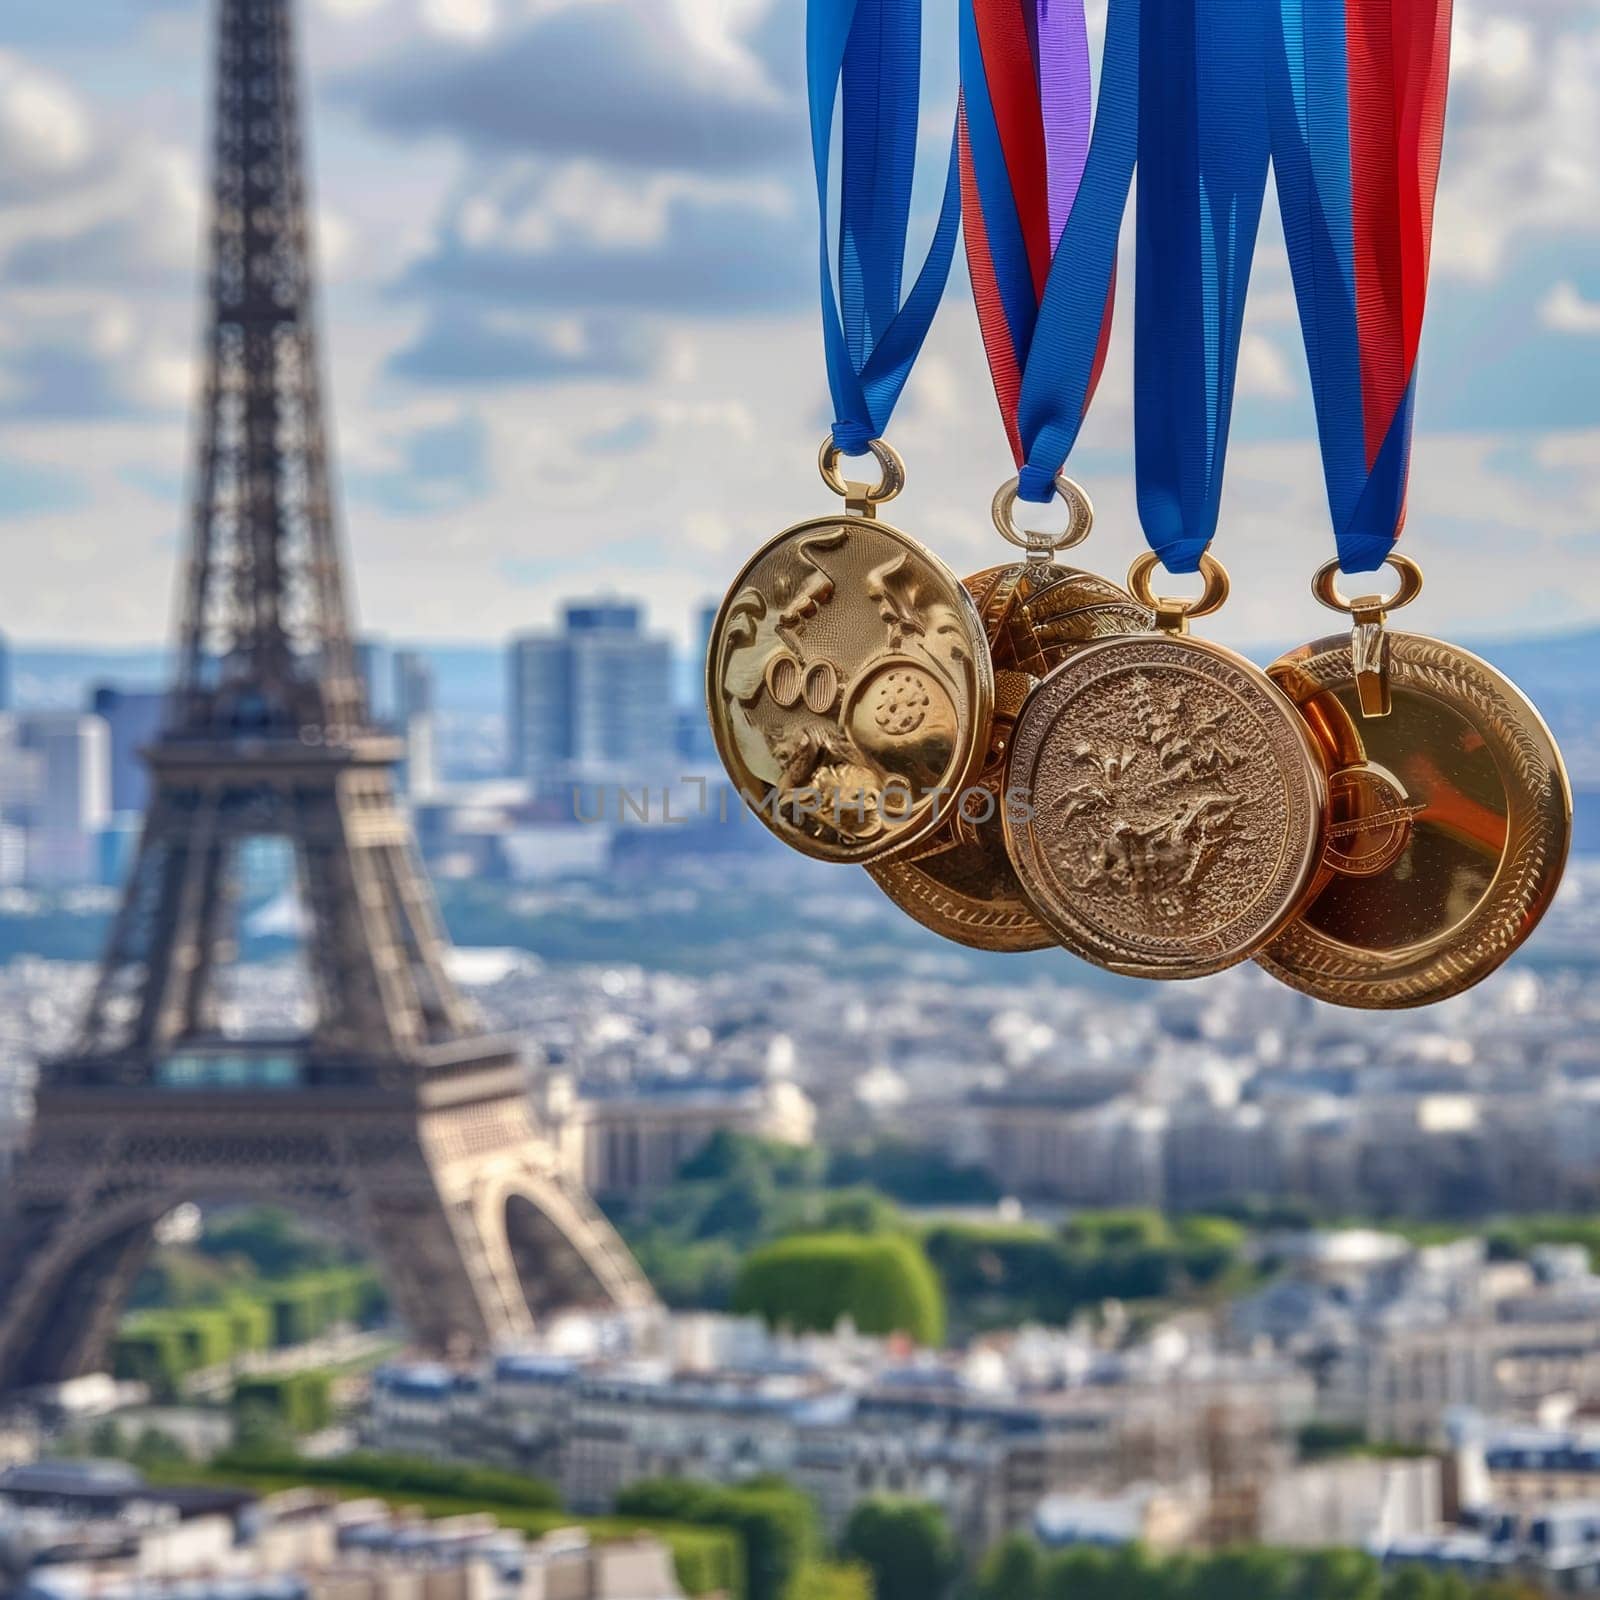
(1566, 311)
(537, 208)
(1262, 369)
(1521, 132)
(460, 19)
(45, 134)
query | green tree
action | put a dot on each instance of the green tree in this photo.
(155, 1448)
(885, 1284)
(149, 1350)
(775, 1522)
(740, 1209)
(1341, 1575)
(1012, 1570)
(858, 1211)
(301, 1401)
(907, 1547)
(730, 1155)
(1235, 1574)
(1410, 1583)
(831, 1581)
(1083, 1574)
(272, 1240)
(105, 1438)
(1103, 1232)
(913, 1174)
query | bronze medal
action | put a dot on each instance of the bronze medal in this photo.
(1175, 803)
(848, 680)
(961, 882)
(1450, 814)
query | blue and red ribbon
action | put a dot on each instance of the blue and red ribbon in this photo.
(867, 54)
(1203, 155)
(1357, 111)
(1042, 205)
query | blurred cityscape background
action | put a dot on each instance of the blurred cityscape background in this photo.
(1210, 1263)
(984, 1277)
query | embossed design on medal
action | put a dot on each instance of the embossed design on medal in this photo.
(960, 881)
(1451, 812)
(848, 681)
(1177, 802)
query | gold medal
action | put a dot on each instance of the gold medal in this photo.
(961, 882)
(848, 680)
(1450, 819)
(1175, 803)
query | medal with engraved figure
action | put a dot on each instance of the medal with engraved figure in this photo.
(1044, 316)
(1450, 813)
(1176, 802)
(961, 883)
(848, 681)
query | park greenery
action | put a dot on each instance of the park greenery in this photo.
(905, 1545)
(1018, 1569)
(257, 1279)
(741, 1195)
(163, 1346)
(884, 1284)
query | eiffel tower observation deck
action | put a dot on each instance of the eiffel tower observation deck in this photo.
(392, 1115)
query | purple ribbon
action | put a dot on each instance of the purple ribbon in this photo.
(1063, 51)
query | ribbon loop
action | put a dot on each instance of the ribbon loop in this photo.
(1203, 150)
(1043, 203)
(867, 54)
(1357, 96)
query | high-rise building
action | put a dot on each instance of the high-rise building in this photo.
(414, 716)
(19, 772)
(133, 718)
(539, 738)
(73, 800)
(373, 658)
(695, 743)
(413, 684)
(592, 701)
(708, 621)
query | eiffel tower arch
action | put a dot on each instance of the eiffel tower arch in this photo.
(391, 1114)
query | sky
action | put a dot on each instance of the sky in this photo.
(570, 326)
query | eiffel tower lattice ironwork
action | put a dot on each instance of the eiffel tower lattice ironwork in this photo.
(391, 1115)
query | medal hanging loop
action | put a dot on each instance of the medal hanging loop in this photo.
(1043, 202)
(1203, 148)
(1357, 98)
(1173, 613)
(863, 499)
(1368, 613)
(867, 55)
(1039, 544)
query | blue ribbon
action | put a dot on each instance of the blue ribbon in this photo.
(871, 338)
(1066, 335)
(1203, 154)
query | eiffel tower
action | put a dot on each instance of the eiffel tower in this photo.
(392, 1115)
